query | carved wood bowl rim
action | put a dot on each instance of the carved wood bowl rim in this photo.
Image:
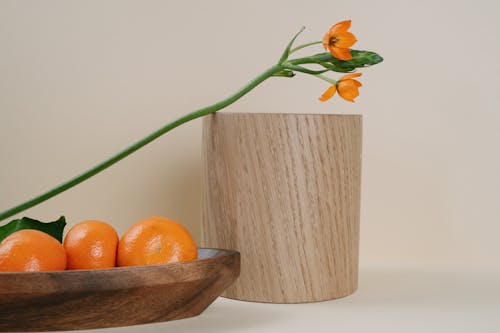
(205, 255)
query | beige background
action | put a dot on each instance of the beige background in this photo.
(80, 80)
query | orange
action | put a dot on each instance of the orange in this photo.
(31, 251)
(90, 245)
(155, 240)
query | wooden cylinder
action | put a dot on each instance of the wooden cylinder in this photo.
(284, 190)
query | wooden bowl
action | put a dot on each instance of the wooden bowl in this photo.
(122, 296)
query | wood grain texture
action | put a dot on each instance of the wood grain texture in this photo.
(284, 191)
(84, 299)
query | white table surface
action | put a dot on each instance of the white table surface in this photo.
(388, 300)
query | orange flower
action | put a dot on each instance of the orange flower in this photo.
(338, 40)
(347, 87)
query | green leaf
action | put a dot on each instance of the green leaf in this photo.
(285, 54)
(359, 59)
(55, 229)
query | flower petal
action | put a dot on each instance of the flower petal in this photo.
(357, 83)
(345, 40)
(328, 93)
(341, 54)
(326, 40)
(348, 90)
(340, 27)
(350, 76)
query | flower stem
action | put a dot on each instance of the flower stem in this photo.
(326, 78)
(304, 45)
(141, 143)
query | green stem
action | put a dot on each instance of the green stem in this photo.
(139, 144)
(304, 45)
(326, 78)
